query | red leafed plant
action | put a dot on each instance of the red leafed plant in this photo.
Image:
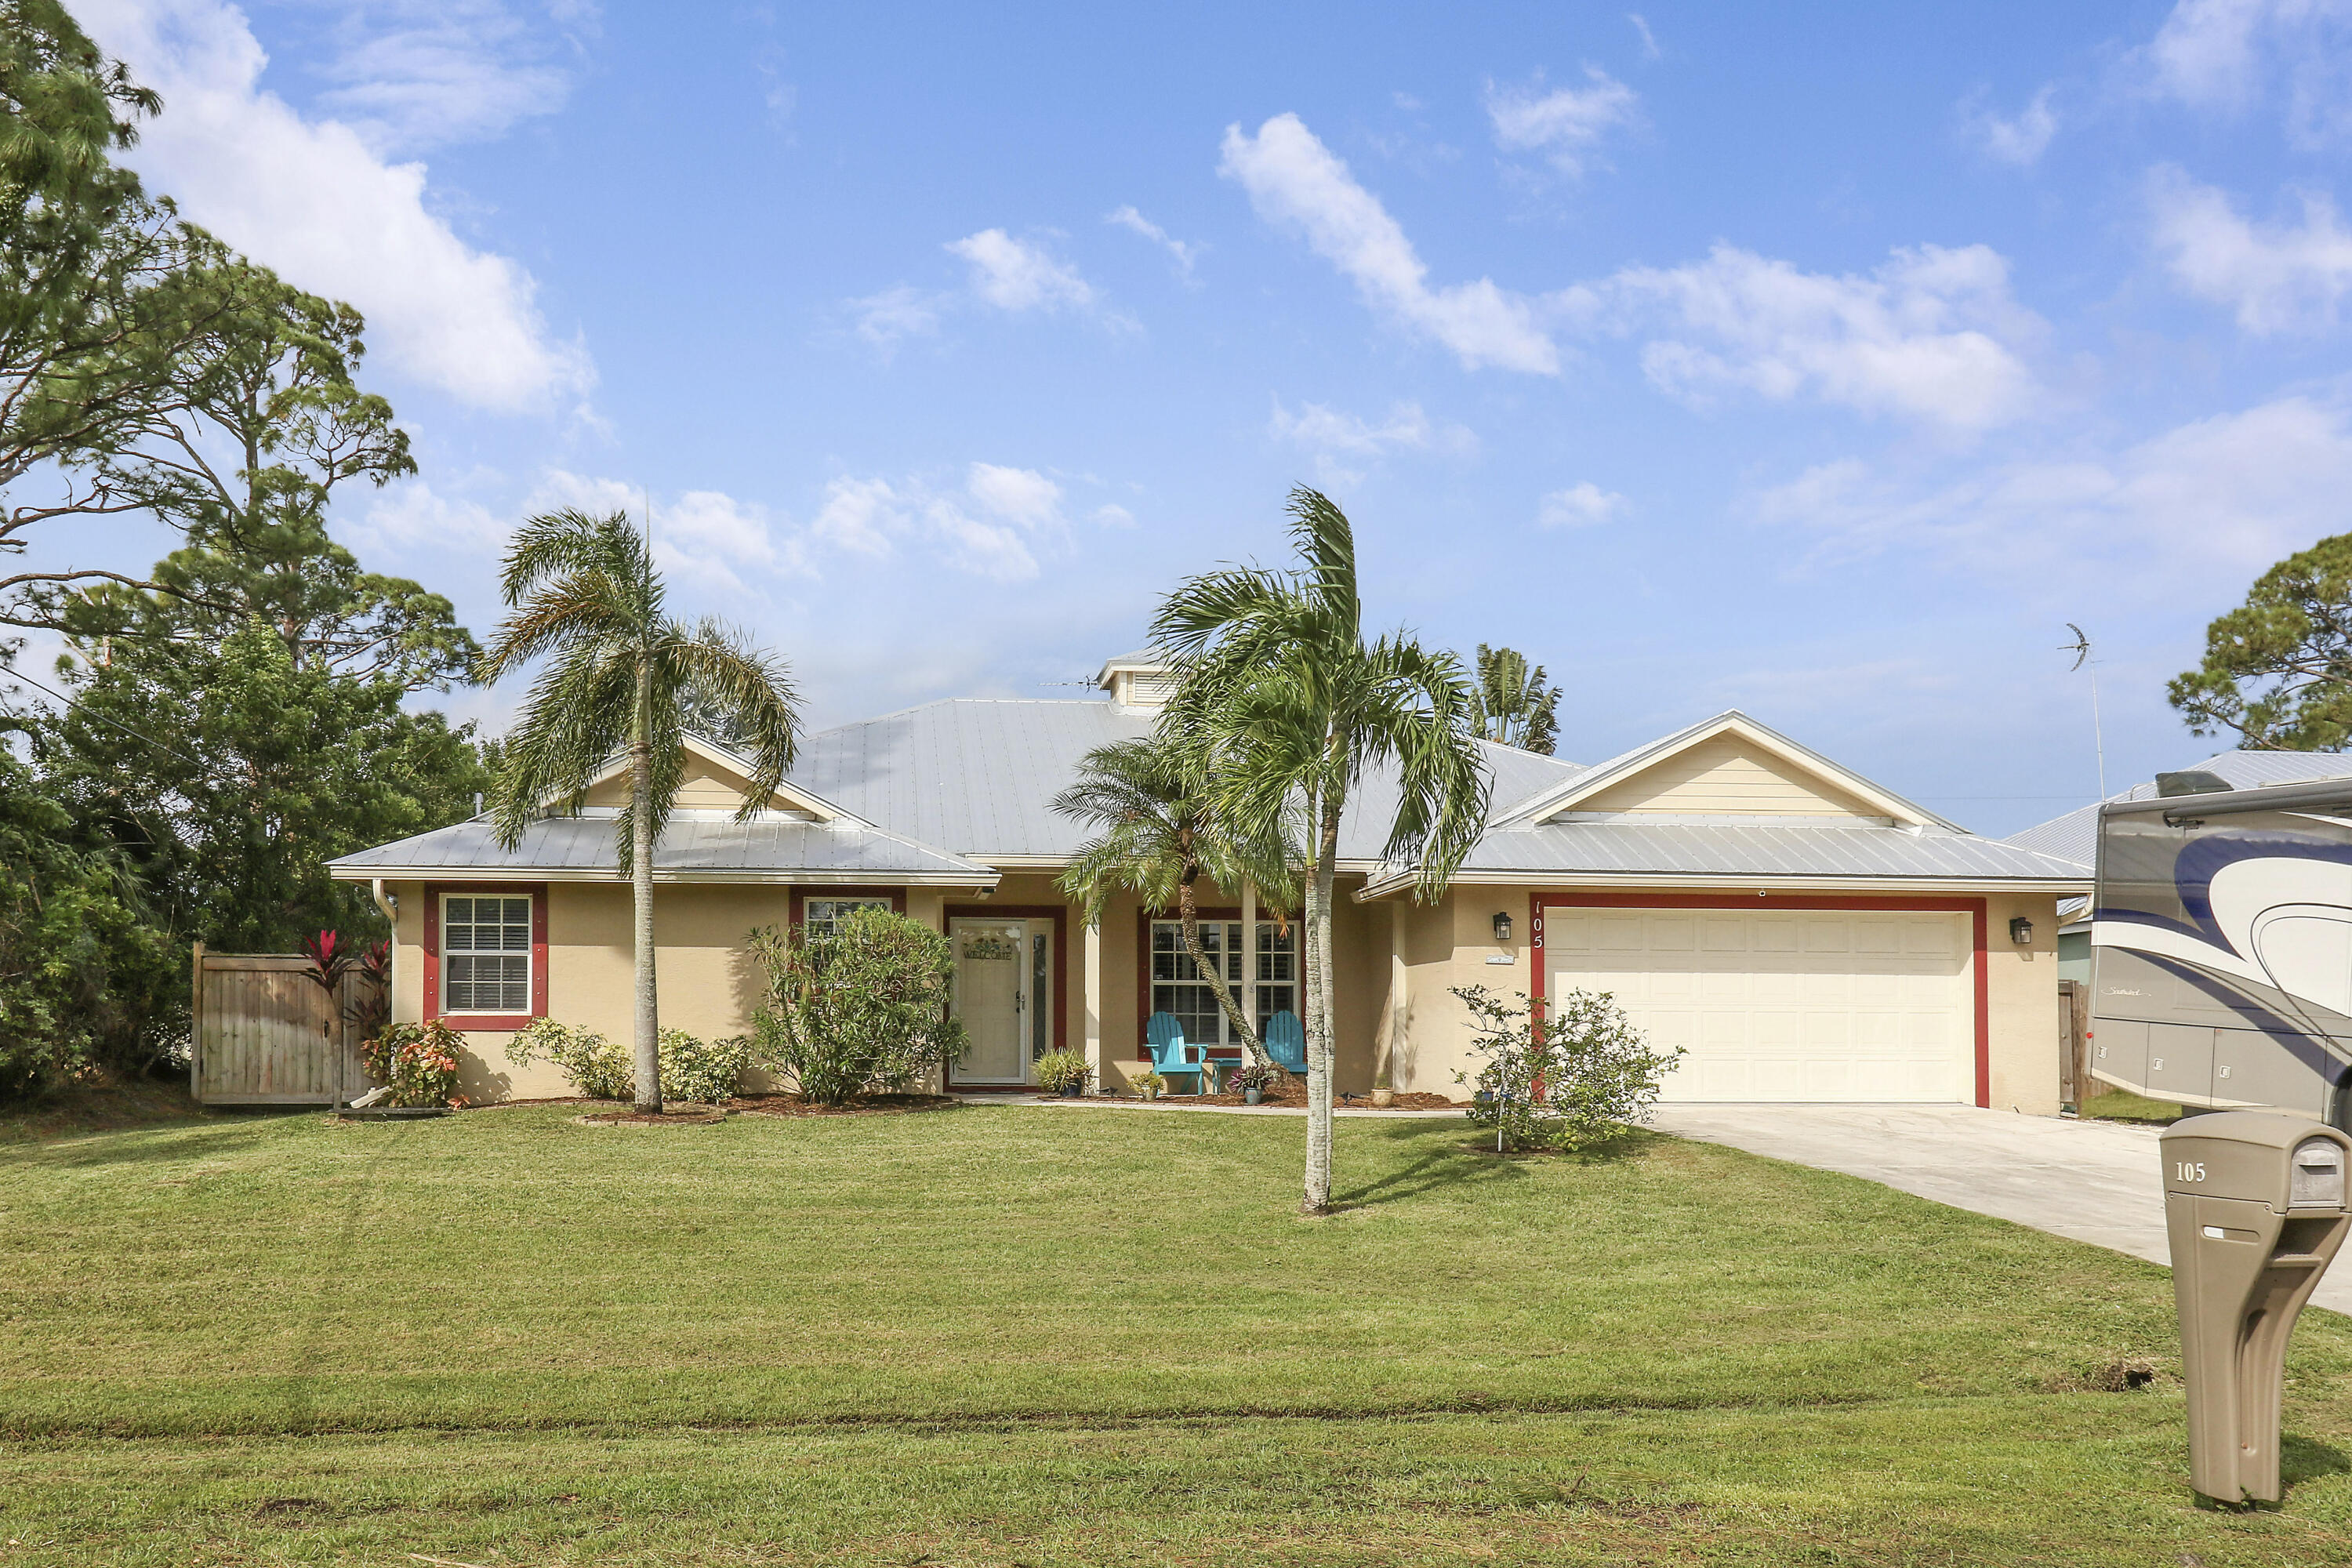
(330, 957)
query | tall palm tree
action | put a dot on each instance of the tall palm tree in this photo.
(1159, 837)
(1274, 670)
(623, 678)
(1515, 707)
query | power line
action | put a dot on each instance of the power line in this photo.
(92, 712)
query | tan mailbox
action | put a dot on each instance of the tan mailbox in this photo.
(2254, 1202)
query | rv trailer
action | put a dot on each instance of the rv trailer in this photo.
(2221, 946)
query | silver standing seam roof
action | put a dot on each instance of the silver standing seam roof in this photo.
(2074, 834)
(693, 849)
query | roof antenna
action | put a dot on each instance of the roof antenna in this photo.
(2081, 648)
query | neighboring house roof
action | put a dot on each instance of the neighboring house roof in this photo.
(979, 775)
(698, 846)
(2074, 834)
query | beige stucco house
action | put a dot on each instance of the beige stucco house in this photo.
(1803, 933)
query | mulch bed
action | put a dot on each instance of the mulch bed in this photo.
(1294, 1096)
(868, 1105)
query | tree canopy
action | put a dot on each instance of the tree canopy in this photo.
(2277, 673)
(1514, 707)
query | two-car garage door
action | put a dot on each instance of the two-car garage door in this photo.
(1785, 1004)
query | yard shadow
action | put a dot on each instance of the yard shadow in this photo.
(2307, 1460)
(225, 1134)
(1449, 1165)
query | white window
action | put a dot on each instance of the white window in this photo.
(485, 953)
(1178, 988)
(823, 917)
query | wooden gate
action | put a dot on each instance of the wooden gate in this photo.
(2074, 1085)
(266, 1034)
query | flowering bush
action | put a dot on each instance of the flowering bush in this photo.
(702, 1073)
(859, 1008)
(1259, 1075)
(1560, 1073)
(597, 1068)
(419, 1062)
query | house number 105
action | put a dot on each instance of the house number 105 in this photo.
(2189, 1169)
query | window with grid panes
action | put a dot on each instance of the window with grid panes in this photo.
(823, 917)
(1178, 988)
(485, 953)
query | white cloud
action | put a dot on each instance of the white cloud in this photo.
(2019, 140)
(1185, 253)
(2231, 493)
(1650, 49)
(1294, 180)
(1112, 515)
(2220, 56)
(1932, 335)
(1014, 275)
(1582, 505)
(1565, 124)
(894, 314)
(705, 536)
(416, 74)
(1333, 436)
(314, 201)
(987, 528)
(410, 514)
(2275, 277)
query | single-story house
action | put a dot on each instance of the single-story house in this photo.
(1803, 933)
(2074, 836)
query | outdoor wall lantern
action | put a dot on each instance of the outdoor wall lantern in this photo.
(1501, 927)
(2020, 931)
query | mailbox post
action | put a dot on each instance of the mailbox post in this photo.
(2254, 1203)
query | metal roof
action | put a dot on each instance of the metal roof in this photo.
(2074, 834)
(1741, 852)
(584, 847)
(979, 775)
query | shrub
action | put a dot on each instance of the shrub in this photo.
(1061, 1071)
(597, 1068)
(859, 1008)
(419, 1062)
(1560, 1074)
(702, 1073)
(1259, 1075)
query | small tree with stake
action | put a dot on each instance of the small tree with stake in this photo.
(1562, 1073)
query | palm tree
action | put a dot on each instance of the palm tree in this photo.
(1515, 708)
(1158, 837)
(1274, 670)
(622, 679)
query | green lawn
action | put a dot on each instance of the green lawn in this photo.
(1007, 1335)
(2121, 1105)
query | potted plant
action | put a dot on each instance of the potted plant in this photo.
(1256, 1079)
(1064, 1073)
(1150, 1085)
(1383, 1090)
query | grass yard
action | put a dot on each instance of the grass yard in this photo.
(1007, 1335)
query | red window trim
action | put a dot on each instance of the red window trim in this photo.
(898, 897)
(1973, 907)
(1054, 912)
(485, 1022)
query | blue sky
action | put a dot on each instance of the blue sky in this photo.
(1817, 360)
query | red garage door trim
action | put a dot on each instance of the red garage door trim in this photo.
(1973, 907)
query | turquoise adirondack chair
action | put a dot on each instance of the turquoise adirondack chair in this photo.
(1170, 1055)
(1286, 1041)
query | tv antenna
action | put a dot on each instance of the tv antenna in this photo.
(2081, 648)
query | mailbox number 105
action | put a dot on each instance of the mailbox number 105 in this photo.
(2189, 1169)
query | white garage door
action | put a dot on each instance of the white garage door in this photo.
(1789, 1006)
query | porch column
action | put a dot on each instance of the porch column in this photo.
(1393, 1024)
(1249, 950)
(1090, 941)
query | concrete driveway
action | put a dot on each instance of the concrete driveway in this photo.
(2098, 1181)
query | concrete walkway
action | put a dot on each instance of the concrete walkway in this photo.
(1106, 1103)
(2099, 1182)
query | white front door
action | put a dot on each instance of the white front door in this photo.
(992, 997)
(1815, 1005)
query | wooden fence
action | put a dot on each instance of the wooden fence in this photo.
(266, 1034)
